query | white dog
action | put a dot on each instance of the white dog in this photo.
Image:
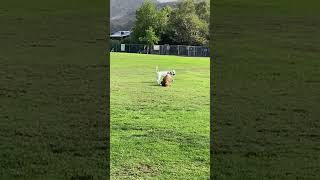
(161, 74)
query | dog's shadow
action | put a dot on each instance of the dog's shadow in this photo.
(150, 83)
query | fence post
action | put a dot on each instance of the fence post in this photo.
(163, 49)
(188, 49)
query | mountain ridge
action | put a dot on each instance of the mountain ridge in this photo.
(122, 15)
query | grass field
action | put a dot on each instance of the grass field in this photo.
(266, 81)
(158, 132)
(53, 90)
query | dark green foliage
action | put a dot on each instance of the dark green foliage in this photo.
(146, 18)
(187, 24)
(203, 10)
(150, 37)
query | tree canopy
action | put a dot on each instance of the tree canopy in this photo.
(188, 24)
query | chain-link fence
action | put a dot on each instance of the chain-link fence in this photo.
(179, 50)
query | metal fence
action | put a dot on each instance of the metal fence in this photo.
(179, 50)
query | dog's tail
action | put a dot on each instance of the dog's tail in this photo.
(156, 68)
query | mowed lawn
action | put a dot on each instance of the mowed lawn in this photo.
(53, 94)
(158, 132)
(266, 90)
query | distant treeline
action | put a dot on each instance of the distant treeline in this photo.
(187, 24)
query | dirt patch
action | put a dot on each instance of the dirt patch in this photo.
(145, 168)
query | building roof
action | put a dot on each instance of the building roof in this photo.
(120, 34)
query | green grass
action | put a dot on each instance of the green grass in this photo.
(266, 83)
(158, 132)
(52, 90)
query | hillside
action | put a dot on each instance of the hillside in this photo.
(122, 15)
(119, 8)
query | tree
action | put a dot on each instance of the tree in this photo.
(146, 17)
(162, 28)
(203, 10)
(188, 24)
(185, 26)
(150, 38)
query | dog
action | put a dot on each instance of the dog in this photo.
(162, 74)
(167, 80)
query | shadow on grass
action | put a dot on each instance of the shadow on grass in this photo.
(150, 83)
